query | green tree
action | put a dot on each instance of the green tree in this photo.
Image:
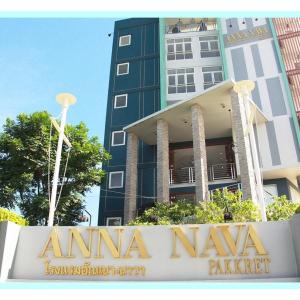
(241, 210)
(281, 209)
(205, 212)
(24, 156)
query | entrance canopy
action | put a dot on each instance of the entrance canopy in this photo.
(215, 103)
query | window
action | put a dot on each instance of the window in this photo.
(124, 40)
(270, 191)
(114, 221)
(212, 76)
(120, 101)
(116, 179)
(209, 46)
(123, 69)
(179, 49)
(181, 81)
(118, 138)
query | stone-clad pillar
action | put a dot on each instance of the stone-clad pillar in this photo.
(241, 130)
(200, 160)
(131, 178)
(162, 161)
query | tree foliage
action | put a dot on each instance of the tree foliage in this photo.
(281, 209)
(211, 212)
(24, 151)
(6, 215)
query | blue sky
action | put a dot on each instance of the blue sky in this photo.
(40, 58)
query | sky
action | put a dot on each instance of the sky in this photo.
(40, 58)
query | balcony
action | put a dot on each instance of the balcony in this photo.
(218, 172)
(190, 25)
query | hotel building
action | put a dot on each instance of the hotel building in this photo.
(195, 105)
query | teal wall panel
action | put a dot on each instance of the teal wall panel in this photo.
(142, 87)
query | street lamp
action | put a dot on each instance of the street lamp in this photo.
(65, 100)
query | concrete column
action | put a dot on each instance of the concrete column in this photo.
(241, 130)
(236, 155)
(163, 192)
(131, 178)
(200, 160)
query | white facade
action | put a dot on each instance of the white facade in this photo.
(251, 58)
(197, 62)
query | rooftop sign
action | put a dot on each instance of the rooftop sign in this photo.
(247, 36)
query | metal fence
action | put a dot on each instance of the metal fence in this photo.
(214, 173)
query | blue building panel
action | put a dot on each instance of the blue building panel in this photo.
(141, 84)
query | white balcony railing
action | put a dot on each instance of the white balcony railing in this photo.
(183, 28)
(214, 173)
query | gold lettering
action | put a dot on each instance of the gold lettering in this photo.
(115, 251)
(237, 266)
(227, 266)
(267, 261)
(219, 269)
(212, 265)
(213, 241)
(229, 239)
(231, 38)
(257, 262)
(248, 269)
(256, 242)
(191, 249)
(54, 241)
(74, 234)
(140, 245)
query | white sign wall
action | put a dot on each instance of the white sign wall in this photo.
(187, 252)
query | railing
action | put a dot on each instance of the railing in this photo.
(221, 171)
(230, 188)
(215, 172)
(182, 175)
(190, 27)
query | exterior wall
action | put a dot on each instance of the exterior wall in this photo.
(142, 86)
(288, 33)
(255, 58)
(196, 62)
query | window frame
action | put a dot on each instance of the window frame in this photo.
(213, 77)
(112, 218)
(184, 52)
(113, 138)
(118, 65)
(123, 36)
(209, 40)
(272, 185)
(109, 182)
(177, 85)
(115, 101)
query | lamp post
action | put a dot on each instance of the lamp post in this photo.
(65, 100)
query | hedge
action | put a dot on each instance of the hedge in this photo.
(6, 215)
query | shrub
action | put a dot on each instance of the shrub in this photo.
(297, 211)
(241, 210)
(165, 214)
(6, 215)
(213, 211)
(182, 212)
(281, 209)
(209, 212)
